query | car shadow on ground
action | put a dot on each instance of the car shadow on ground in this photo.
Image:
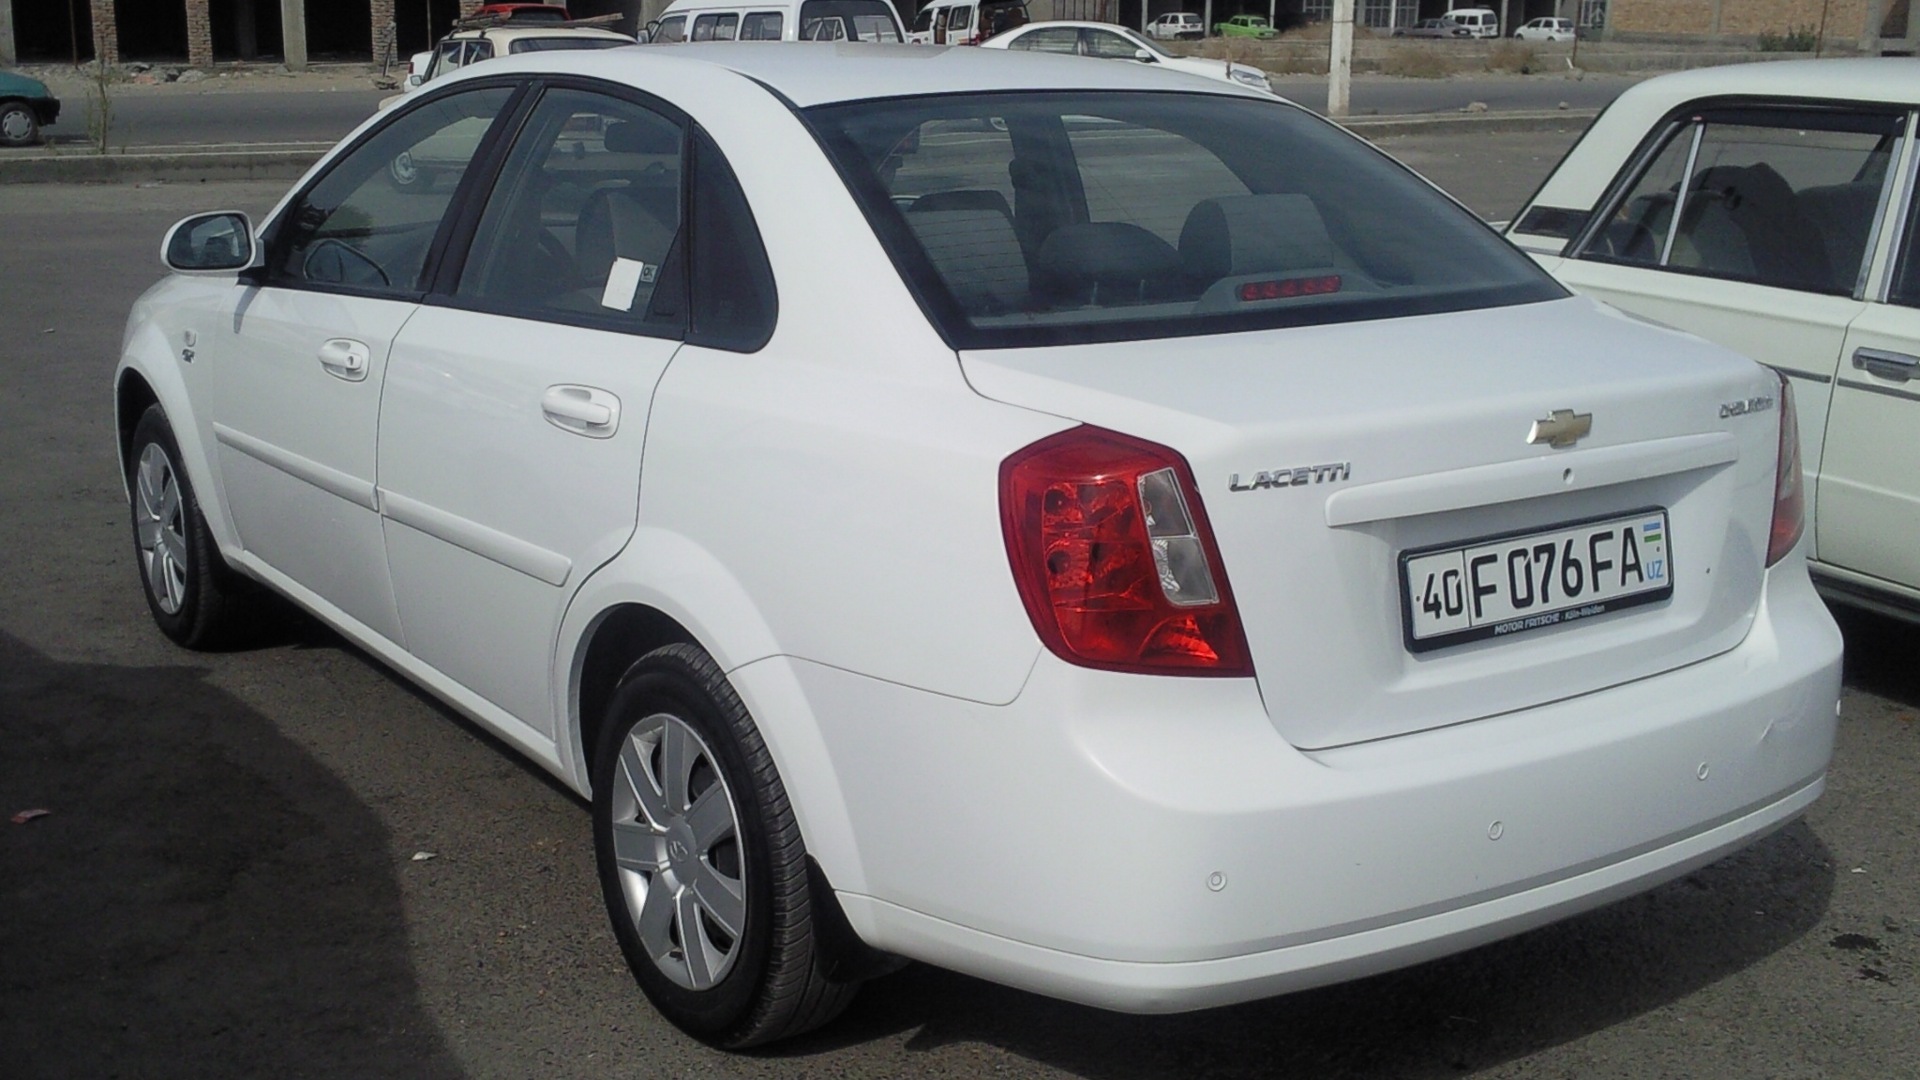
(204, 898)
(1881, 654)
(1451, 1016)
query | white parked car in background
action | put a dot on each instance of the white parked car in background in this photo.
(1547, 30)
(777, 20)
(1479, 22)
(1797, 243)
(1161, 553)
(1106, 41)
(465, 47)
(1178, 26)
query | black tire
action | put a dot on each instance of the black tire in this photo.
(18, 125)
(199, 601)
(773, 983)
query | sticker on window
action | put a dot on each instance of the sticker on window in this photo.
(624, 279)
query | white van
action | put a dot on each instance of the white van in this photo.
(965, 22)
(777, 20)
(1479, 22)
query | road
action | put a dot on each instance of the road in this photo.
(179, 117)
(231, 881)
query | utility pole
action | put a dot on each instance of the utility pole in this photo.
(1340, 60)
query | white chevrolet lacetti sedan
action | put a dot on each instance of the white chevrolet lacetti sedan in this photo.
(1120, 538)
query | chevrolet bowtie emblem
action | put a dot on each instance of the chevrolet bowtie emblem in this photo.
(1564, 428)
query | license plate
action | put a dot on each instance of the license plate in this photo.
(1515, 584)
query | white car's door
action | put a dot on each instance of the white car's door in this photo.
(1769, 254)
(300, 353)
(1869, 486)
(516, 406)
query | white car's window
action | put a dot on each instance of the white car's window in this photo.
(1906, 271)
(447, 59)
(478, 51)
(1053, 39)
(1022, 219)
(1777, 197)
(716, 27)
(923, 22)
(1111, 46)
(368, 223)
(761, 26)
(670, 29)
(583, 218)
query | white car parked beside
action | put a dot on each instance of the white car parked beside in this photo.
(1478, 22)
(1797, 243)
(1547, 30)
(1178, 26)
(1106, 41)
(1120, 537)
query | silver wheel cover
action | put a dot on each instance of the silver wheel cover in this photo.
(15, 123)
(159, 527)
(678, 848)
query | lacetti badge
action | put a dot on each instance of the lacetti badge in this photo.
(1741, 408)
(1330, 473)
(1561, 429)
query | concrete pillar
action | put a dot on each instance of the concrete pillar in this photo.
(1713, 27)
(199, 35)
(381, 29)
(246, 30)
(1340, 60)
(8, 55)
(293, 33)
(106, 33)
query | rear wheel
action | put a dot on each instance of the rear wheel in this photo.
(701, 861)
(195, 599)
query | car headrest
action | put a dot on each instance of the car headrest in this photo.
(629, 137)
(1253, 234)
(976, 254)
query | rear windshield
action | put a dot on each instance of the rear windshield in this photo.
(1036, 218)
(848, 20)
(554, 44)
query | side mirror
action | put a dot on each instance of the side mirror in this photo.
(1143, 56)
(414, 81)
(218, 243)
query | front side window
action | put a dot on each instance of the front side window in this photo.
(1053, 39)
(478, 51)
(1776, 197)
(447, 58)
(670, 30)
(585, 219)
(1024, 218)
(761, 26)
(1108, 45)
(368, 223)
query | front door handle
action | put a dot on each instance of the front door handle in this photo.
(1897, 367)
(345, 359)
(582, 410)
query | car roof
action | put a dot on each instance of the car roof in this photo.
(511, 32)
(1895, 80)
(1089, 23)
(809, 73)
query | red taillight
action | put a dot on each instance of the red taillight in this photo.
(1114, 557)
(1287, 288)
(1789, 496)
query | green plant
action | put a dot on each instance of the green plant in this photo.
(1513, 56)
(1796, 39)
(100, 80)
(1414, 62)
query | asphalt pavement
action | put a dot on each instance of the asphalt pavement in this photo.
(284, 861)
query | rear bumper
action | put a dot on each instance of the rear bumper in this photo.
(1153, 845)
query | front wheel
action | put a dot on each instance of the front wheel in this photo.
(195, 599)
(18, 125)
(701, 861)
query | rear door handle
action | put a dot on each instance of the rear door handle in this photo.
(1897, 367)
(582, 410)
(345, 359)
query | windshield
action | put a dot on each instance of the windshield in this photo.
(851, 20)
(1035, 218)
(553, 44)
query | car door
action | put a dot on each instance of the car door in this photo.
(516, 403)
(1769, 251)
(299, 354)
(1869, 486)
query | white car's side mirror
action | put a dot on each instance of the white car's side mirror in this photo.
(414, 81)
(1143, 56)
(217, 243)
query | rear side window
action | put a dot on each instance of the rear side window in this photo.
(716, 27)
(1037, 218)
(1777, 197)
(1906, 272)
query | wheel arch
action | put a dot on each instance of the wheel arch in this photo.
(665, 588)
(132, 396)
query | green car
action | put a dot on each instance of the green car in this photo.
(1253, 26)
(26, 105)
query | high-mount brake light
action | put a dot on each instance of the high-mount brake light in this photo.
(1288, 288)
(1789, 485)
(1114, 558)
